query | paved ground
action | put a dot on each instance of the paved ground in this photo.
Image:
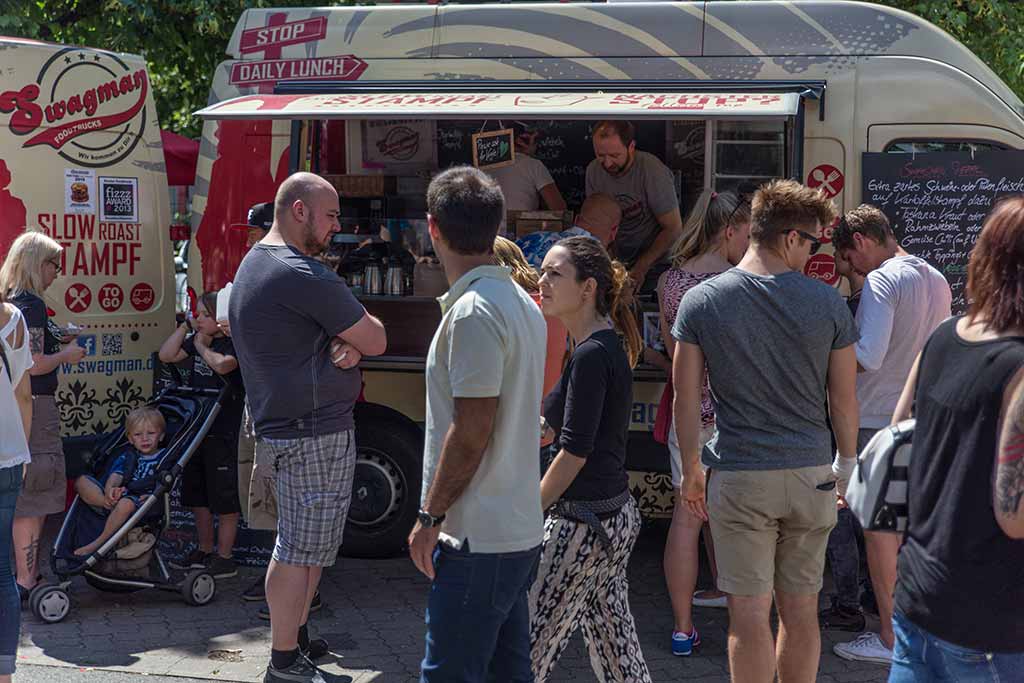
(373, 620)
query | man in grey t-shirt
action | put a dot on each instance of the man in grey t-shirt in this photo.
(775, 343)
(645, 191)
(298, 333)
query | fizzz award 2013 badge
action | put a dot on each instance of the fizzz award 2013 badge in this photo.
(119, 199)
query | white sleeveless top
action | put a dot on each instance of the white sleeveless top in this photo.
(13, 444)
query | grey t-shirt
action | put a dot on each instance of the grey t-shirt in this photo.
(645, 192)
(285, 309)
(766, 341)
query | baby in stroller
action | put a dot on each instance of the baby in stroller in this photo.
(130, 479)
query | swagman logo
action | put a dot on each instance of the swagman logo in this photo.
(400, 143)
(88, 105)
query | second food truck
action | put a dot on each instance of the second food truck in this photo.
(379, 99)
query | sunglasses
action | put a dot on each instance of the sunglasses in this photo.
(815, 242)
(743, 202)
(56, 264)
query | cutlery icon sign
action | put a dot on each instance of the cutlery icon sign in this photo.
(829, 178)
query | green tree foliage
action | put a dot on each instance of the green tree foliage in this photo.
(991, 29)
(184, 40)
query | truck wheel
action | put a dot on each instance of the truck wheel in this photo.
(386, 486)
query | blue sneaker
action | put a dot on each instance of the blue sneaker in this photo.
(683, 643)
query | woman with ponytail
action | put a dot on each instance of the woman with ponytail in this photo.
(592, 520)
(714, 239)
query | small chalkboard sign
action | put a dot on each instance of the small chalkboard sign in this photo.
(938, 201)
(494, 149)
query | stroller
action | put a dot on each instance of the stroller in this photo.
(130, 560)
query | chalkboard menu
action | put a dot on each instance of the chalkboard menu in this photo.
(564, 147)
(494, 149)
(937, 202)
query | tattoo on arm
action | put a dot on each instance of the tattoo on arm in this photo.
(1010, 468)
(36, 335)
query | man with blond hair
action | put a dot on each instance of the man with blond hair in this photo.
(302, 384)
(776, 345)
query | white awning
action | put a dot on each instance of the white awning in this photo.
(525, 105)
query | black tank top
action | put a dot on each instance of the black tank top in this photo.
(960, 577)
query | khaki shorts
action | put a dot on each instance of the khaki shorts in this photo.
(44, 489)
(771, 529)
(246, 455)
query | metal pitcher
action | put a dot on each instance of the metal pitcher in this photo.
(395, 280)
(373, 282)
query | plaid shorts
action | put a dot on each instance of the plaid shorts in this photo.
(314, 488)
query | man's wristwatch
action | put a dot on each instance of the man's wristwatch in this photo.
(427, 520)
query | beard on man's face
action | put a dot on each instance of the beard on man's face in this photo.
(311, 244)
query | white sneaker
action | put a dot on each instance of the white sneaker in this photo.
(720, 601)
(868, 647)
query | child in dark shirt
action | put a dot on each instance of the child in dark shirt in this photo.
(209, 484)
(123, 491)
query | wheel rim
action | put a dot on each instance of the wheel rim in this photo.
(378, 489)
(54, 605)
(203, 588)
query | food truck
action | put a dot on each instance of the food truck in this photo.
(81, 159)
(378, 99)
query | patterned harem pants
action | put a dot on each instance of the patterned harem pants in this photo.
(580, 584)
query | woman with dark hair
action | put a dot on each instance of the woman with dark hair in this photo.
(959, 589)
(209, 483)
(715, 238)
(592, 519)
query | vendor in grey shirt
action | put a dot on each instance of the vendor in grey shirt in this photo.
(645, 190)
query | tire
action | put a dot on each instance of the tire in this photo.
(386, 486)
(198, 587)
(52, 604)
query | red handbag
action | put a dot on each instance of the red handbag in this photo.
(663, 420)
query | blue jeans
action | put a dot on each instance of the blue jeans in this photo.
(478, 617)
(10, 602)
(920, 657)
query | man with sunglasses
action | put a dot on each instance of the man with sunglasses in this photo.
(902, 302)
(777, 346)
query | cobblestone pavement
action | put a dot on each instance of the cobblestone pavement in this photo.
(373, 619)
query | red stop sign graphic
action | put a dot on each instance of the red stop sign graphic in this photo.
(142, 296)
(822, 267)
(828, 178)
(77, 297)
(111, 297)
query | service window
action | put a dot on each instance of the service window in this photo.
(747, 151)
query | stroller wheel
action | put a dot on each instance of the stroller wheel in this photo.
(51, 604)
(198, 587)
(37, 590)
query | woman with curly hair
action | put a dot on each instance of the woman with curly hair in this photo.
(593, 521)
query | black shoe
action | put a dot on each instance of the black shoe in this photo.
(314, 606)
(317, 648)
(840, 618)
(256, 592)
(301, 671)
(222, 567)
(196, 559)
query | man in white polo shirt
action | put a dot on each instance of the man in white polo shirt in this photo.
(902, 302)
(480, 526)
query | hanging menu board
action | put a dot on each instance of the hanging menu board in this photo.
(937, 202)
(494, 149)
(564, 147)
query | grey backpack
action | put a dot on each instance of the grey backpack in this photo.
(877, 492)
